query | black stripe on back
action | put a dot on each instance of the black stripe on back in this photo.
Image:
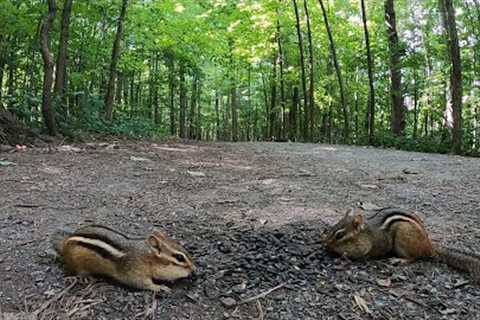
(100, 237)
(109, 229)
(102, 252)
(402, 216)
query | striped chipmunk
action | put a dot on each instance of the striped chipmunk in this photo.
(136, 262)
(393, 232)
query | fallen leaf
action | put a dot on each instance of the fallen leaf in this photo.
(369, 186)
(384, 282)
(228, 302)
(361, 303)
(448, 311)
(304, 173)
(140, 159)
(196, 173)
(67, 148)
(410, 171)
(5, 163)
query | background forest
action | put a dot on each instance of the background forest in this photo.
(402, 73)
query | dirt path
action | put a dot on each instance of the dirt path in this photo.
(251, 214)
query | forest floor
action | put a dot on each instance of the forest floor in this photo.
(250, 214)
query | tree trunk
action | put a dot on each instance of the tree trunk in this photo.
(456, 88)
(113, 63)
(371, 96)
(48, 64)
(198, 122)
(425, 125)
(11, 79)
(282, 80)
(234, 107)
(118, 93)
(217, 115)
(183, 103)
(193, 106)
(333, 49)
(415, 104)
(311, 96)
(158, 111)
(171, 94)
(396, 92)
(306, 135)
(61, 72)
(132, 94)
(273, 100)
(3, 61)
(293, 114)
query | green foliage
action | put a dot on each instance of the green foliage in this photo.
(234, 43)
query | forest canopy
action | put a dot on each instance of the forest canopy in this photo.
(402, 73)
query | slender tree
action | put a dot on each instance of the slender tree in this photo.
(171, 93)
(61, 72)
(281, 55)
(183, 103)
(338, 71)
(48, 65)
(456, 88)
(311, 95)
(304, 78)
(113, 64)
(371, 96)
(396, 91)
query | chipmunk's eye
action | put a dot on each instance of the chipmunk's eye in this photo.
(180, 257)
(340, 234)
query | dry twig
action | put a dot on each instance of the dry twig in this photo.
(261, 295)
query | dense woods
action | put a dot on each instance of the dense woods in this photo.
(402, 73)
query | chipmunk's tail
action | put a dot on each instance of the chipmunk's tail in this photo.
(57, 238)
(463, 261)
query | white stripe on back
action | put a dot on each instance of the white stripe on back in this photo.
(98, 243)
(399, 217)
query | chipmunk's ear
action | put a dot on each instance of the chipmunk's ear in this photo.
(350, 212)
(160, 235)
(155, 241)
(358, 220)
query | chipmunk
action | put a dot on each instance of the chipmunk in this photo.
(393, 232)
(102, 251)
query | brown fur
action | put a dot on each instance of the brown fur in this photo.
(102, 251)
(393, 232)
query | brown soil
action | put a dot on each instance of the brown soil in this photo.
(251, 215)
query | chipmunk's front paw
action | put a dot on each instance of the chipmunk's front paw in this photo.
(159, 287)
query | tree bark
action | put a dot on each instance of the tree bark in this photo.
(273, 100)
(158, 111)
(304, 78)
(293, 114)
(338, 71)
(415, 104)
(193, 106)
(311, 96)
(371, 96)
(282, 80)
(198, 121)
(171, 94)
(48, 64)
(61, 72)
(234, 108)
(217, 115)
(114, 62)
(3, 61)
(456, 87)
(396, 91)
(183, 103)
